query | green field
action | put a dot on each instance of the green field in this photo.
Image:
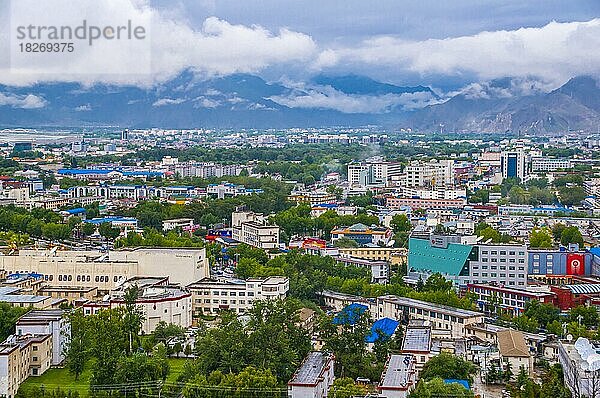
(60, 377)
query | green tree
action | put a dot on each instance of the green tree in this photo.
(134, 315)
(544, 313)
(540, 238)
(76, 353)
(448, 366)
(588, 314)
(88, 228)
(8, 319)
(345, 387)
(108, 231)
(400, 223)
(557, 230)
(571, 235)
(437, 283)
(570, 196)
(436, 388)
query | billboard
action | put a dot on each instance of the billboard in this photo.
(575, 264)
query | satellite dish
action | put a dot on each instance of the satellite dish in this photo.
(569, 337)
(391, 243)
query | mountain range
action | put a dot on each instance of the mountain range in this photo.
(248, 101)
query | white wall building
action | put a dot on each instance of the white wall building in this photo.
(253, 229)
(209, 296)
(314, 377)
(373, 174)
(431, 173)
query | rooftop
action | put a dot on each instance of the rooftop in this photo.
(511, 343)
(312, 369)
(417, 339)
(458, 312)
(397, 371)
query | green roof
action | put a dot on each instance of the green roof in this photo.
(450, 261)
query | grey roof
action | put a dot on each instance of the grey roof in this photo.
(397, 371)
(417, 339)
(311, 369)
(408, 302)
(584, 288)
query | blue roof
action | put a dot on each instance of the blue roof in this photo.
(327, 205)
(463, 383)
(350, 314)
(78, 210)
(98, 221)
(595, 251)
(85, 171)
(142, 173)
(382, 327)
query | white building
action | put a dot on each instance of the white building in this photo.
(398, 377)
(436, 193)
(175, 223)
(373, 174)
(580, 367)
(514, 164)
(209, 296)
(253, 229)
(106, 270)
(431, 173)
(500, 264)
(50, 322)
(514, 351)
(159, 302)
(550, 164)
(314, 377)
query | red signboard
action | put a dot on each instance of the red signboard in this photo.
(575, 264)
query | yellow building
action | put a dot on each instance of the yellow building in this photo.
(21, 357)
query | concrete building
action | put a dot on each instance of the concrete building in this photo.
(425, 204)
(551, 262)
(580, 367)
(159, 302)
(182, 223)
(398, 377)
(209, 296)
(417, 342)
(47, 322)
(499, 299)
(362, 234)
(373, 174)
(514, 351)
(106, 270)
(21, 357)
(501, 264)
(379, 269)
(514, 164)
(253, 229)
(314, 377)
(439, 317)
(432, 173)
(550, 164)
(17, 297)
(228, 190)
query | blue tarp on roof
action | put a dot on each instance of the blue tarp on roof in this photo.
(383, 326)
(99, 221)
(78, 210)
(463, 383)
(85, 171)
(350, 314)
(595, 251)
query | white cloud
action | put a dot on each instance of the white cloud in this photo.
(555, 52)
(203, 102)
(325, 97)
(171, 45)
(84, 108)
(168, 101)
(29, 101)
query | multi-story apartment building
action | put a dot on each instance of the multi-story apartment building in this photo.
(426, 204)
(440, 317)
(550, 164)
(228, 190)
(253, 229)
(379, 269)
(373, 174)
(494, 299)
(500, 264)
(432, 173)
(210, 296)
(437, 193)
(39, 343)
(314, 376)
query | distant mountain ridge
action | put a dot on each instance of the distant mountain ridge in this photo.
(248, 101)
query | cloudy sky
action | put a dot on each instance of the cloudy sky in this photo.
(443, 44)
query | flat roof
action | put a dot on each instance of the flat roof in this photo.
(397, 371)
(408, 302)
(311, 369)
(417, 339)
